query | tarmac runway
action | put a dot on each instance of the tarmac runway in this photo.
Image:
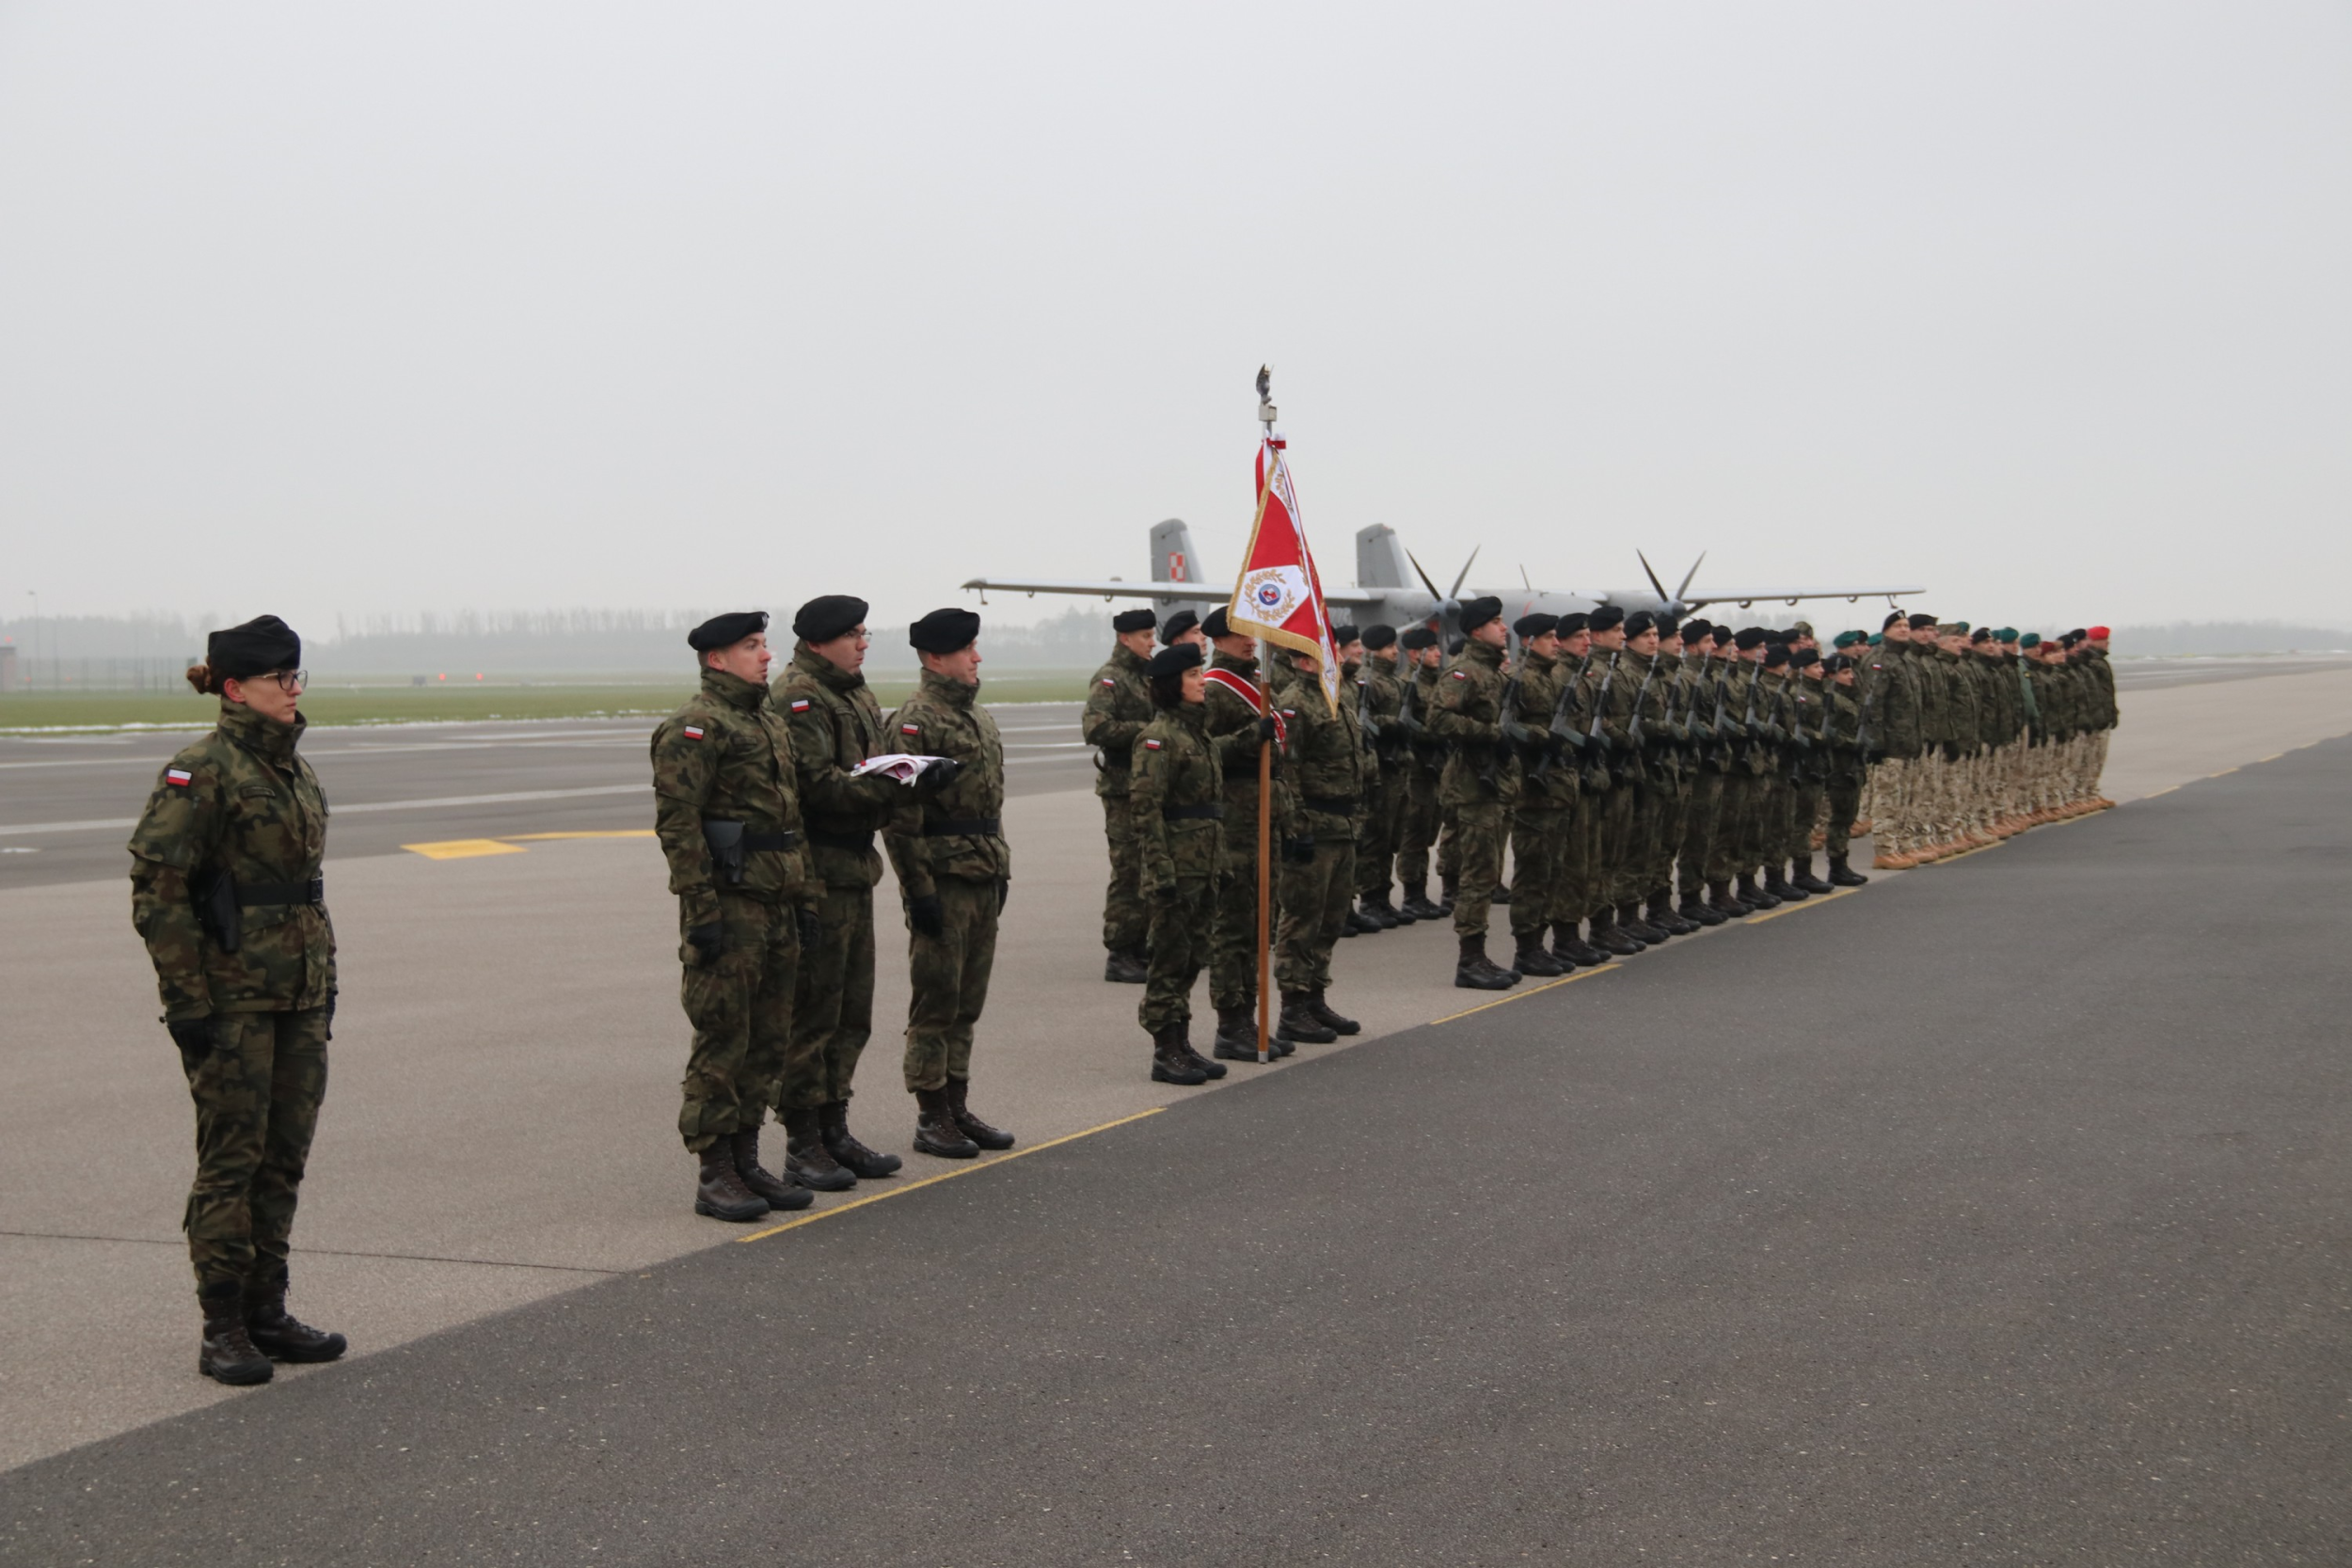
(2008, 1241)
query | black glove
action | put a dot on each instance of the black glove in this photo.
(941, 771)
(705, 940)
(812, 928)
(928, 916)
(1004, 894)
(1299, 852)
(193, 1037)
(330, 1013)
(1267, 730)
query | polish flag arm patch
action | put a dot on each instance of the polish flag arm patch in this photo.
(800, 704)
(694, 732)
(179, 776)
(909, 729)
(1150, 745)
(1107, 681)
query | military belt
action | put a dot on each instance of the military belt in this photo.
(826, 840)
(960, 827)
(1212, 810)
(312, 892)
(1338, 805)
(1119, 763)
(784, 840)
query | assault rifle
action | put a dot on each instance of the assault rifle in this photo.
(1513, 733)
(1861, 723)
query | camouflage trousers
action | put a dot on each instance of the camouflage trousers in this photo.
(1805, 804)
(1724, 859)
(1479, 835)
(1376, 842)
(1539, 853)
(1125, 922)
(1700, 818)
(257, 1103)
(833, 1002)
(741, 1007)
(1843, 799)
(1233, 939)
(1768, 821)
(1313, 903)
(948, 982)
(1417, 828)
(1184, 928)
(1579, 859)
(1611, 844)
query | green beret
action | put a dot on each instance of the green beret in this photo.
(2032, 639)
(2006, 634)
(1946, 628)
(1846, 640)
(1877, 640)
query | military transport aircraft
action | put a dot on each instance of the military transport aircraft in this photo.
(1390, 587)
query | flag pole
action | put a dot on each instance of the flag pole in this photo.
(1265, 853)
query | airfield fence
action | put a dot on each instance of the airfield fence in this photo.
(22, 674)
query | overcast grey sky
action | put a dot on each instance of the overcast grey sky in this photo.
(378, 308)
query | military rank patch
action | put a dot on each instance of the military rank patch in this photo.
(694, 732)
(180, 776)
(800, 704)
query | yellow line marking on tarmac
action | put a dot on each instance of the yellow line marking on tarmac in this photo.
(2273, 757)
(1813, 903)
(942, 1176)
(2223, 774)
(462, 848)
(1523, 995)
(2150, 796)
(608, 832)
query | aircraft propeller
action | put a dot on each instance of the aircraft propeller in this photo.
(1673, 602)
(1449, 603)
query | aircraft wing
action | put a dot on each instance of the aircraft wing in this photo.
(1789, 596)
(1114, 588)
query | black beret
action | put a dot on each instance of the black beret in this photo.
(1893, 616)
(1750, 637)
(1177, 625)
(1803, 656)
(1477, 612)
(1134, 620)
(1697, 626)
(1835, 663)
(1669, 626)
(1639, 622)
(1535, 625)
(1775, 655)
(1417, 637)
(1605, 616)
(834, 615)
(1921, 623)
(261, 645)
(2078, 635)
(1175, 659)
(1574, 621)
(1344, 634)
(725, 631)
(1217, 625)
(947, 631)
(1982, 634)
(1378, 635)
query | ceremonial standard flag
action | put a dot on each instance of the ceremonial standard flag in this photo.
(1280, 597)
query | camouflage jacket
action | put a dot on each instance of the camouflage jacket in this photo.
(1383, 694)
(725, 757)
(1540, 680)
(1225, 714)
(1429, 750)
(238, 803)
(1466, 711)
(1935, 702)
(1964, 720)
(1845, 717)
(836, 724)
(1888, 686)
(1178, 791)
(1119, 705)
(2100, 681)
(1323, 758)
(960, 831)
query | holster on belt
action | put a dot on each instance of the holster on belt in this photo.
(214, 894)
(726, 850)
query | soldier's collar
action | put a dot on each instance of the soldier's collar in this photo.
(733, 690)
(1127, 659)
(827, 673)
(1486, 653)
(265, 739)
(954, 692)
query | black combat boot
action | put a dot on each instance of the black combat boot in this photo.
(935, 1128)
(1172, 1063)
(1529, 957)
(1720, 899)
(806, 1160)
(1753, 897)
(1500, 896)
(1474, 971)
(1390, 909)
(1417, 903)
(1630, 921)
(1448, 886)
(1570, 948)
(227, 1353)
(719, 1189)
(1237, 1036)
(1662, 914)
(1299, 1023)
(1842, 875)
(1801, 875)
(832, 1121)
(279, 1335)
(1700, 911)
(1353, 925)
(1206, 1068)
(1126, 967)
(1338, 1023)
(971, 1126)
(788, 1191)
(1776, 882)
(1378, 906)
(1609, 939)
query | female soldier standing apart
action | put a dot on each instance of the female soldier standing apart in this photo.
(225, 888)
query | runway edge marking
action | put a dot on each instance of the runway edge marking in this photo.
(1523, 995)
(1819, 898)
(942, 1176)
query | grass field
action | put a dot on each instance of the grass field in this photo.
(335, 703)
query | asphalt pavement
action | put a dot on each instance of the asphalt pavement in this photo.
(1993, 1214)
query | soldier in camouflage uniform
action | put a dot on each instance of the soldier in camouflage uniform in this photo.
(1730, 882)
(1887, 689)
(727, 811)
(1118, 707)
(1583, 758)
(1706, 663)
(1179, 798)
(1324, 761)
(1547, 799)
(1387, 762)
(1417, 835)
(1233, 950)
(955, 874)
(835, 724)
(1845, 767)
(1809, 768)
(1348, 643)
(226, 892)
(1481, 783)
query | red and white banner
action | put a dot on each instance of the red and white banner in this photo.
(1247, 691)
(1279, 597)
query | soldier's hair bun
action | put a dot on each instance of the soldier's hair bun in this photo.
(200, 677)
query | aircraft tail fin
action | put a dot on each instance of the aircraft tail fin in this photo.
(1173, 559)
(1380, 559)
